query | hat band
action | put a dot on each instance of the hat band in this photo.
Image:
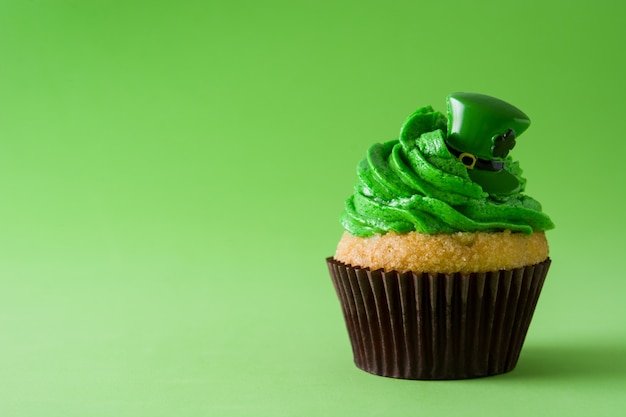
(472, 161)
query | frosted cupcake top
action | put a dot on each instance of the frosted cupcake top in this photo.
(446, 175)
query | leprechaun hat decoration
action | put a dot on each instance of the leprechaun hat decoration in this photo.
(481, 132)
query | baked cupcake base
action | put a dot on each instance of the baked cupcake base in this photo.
(454, 252)
(437, 326)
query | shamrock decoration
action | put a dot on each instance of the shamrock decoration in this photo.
(503, 143)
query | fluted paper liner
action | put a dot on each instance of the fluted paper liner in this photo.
(437, 326)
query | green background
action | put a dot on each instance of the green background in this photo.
(172, 173)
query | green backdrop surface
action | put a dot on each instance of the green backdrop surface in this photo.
(172, 172)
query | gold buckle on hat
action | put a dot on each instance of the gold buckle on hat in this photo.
(467, 159)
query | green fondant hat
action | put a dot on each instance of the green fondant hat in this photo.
(476, 121)
(481, 132)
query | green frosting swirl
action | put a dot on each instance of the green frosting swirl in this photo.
(416, 184)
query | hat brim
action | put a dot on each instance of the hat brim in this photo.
(495, 182)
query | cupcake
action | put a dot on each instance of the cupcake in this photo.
(443, 256)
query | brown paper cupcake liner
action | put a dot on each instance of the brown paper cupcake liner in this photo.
(437, 326)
